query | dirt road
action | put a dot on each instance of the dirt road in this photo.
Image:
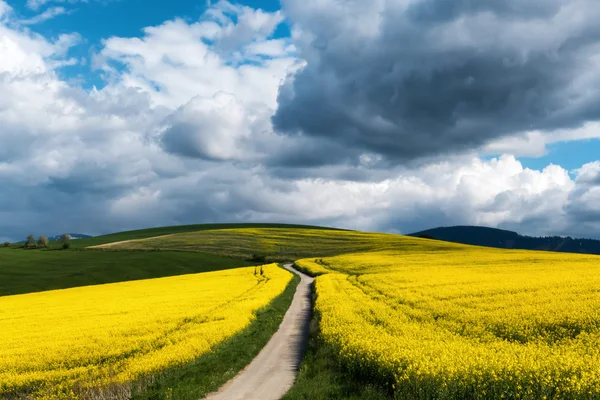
(272, 373)
(111, 244)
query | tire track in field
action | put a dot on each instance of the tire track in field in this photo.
(273, 371)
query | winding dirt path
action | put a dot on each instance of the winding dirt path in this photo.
(273, 371)
(111, 244)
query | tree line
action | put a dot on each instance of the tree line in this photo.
(43, 242)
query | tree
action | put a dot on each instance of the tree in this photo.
(6, 244)
(43, 241)
(65, 239)
(30, 243)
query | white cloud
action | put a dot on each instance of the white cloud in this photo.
(499, 192)
(5, 9)
(534, 143)
(223, 101)
(22, 54)
(36, 4)
(182, 134)
(251, 25)
(25, 53)
(50, 13)
(173, 62)
(209, 128)
(272, 48)
(589, 173)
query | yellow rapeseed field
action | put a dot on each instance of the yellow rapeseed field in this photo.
(464, 322)
(56, 344)
(275, 243)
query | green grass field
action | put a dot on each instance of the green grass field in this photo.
(24, 271)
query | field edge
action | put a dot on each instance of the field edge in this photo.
(322, 376)
(210, 371)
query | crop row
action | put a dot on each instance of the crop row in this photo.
(474, 324)
(58, 344)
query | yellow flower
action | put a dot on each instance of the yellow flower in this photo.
(516, 324)
(53, 342)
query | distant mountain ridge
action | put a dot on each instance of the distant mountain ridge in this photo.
(503, 239)
(73, 236)
(56, 238)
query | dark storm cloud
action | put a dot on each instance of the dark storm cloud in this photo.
(439, 77)
(583, 205)
(179, 139)
(307, 153)
(437, 11)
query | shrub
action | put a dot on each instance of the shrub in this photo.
(43, 241)
(65, 239)
(30, 243)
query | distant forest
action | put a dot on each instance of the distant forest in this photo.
(492, 237)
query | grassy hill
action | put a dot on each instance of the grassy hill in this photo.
(23, 271)
(187, 251)
(169, 230)
(276, 244)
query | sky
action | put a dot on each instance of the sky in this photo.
(386, 115)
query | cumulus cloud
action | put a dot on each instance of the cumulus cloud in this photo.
(97, 153)
(182, 133)
(411, 79)
(174, 62)
(208, 128)
(499, 192)
(534, 143)
(221, 104)
(250, 26)
(583, 205)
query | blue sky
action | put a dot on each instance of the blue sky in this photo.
(373, 116)
(96, 20)
(569, 155)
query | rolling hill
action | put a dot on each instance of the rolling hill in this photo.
(393, 289)
(188, 249)
(171, 230)
(500, 238)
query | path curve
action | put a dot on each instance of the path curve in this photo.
(273, 371)
(111, 244)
